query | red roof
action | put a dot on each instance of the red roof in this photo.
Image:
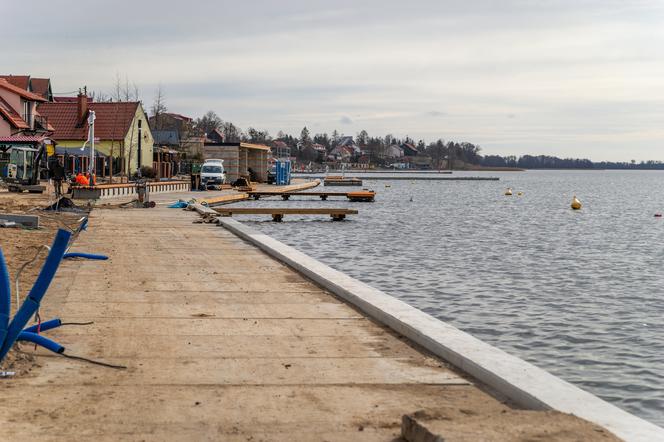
(112, 122)
(40, 86)
(20, 91)
(12, 116)
(23, 139)
(22, 81)
(178, 116)
(69, 99)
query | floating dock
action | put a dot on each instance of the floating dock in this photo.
(341, 181)
(358, 196)
(279, 212)
(223, 199)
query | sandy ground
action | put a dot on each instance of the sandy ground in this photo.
(20, 246)
(222, 342)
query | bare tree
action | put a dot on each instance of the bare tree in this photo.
(158, 106)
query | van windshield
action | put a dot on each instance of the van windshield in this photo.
(211, 169)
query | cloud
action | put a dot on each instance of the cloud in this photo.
(583, 77)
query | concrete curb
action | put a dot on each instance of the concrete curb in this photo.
(527, 385)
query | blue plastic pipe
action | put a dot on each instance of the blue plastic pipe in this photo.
(31, 303)
(5, 298)
(41, 341)
(46, 325)
(85, 255)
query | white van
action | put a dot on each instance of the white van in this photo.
(212, 173)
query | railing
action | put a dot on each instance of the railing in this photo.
(103, 191)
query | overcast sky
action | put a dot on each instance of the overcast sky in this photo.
(567, 78)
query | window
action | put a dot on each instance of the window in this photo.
(27, 113)
(211, 169)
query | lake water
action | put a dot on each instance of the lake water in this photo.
(578, 293)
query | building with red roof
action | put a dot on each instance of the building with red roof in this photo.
(38, 86)
(121, 131)
(18, 111)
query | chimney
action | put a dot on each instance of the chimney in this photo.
(82, 106)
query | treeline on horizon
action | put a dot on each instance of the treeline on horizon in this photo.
(440, 151)
(375, 147)
(551, 162)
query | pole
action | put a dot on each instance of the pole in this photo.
(139, 147)
(91, 123)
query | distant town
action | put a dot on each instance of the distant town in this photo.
(163, 143)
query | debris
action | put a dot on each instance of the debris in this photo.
(29, 221)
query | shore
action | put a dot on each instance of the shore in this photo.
(223, 342)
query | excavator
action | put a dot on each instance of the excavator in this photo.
(22, 168)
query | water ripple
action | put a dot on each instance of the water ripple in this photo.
(580, 294)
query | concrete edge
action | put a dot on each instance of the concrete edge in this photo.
(527, 385)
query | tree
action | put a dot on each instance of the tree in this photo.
(158, 106)
(258, 136)
(232, 133)
(207, 123)
(305, 138)
(335, 138)
(362, 138)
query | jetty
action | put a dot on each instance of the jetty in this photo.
(403, 177)
(279, 212)
(228, 334)
(357, 196)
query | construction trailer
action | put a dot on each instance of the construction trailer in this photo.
(239, 158)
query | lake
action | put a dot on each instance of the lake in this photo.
(578, 293)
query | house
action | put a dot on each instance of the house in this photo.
(175, 132)
(215, 136)
(341, 153)
(394, 151)
(239, 158)
(38, 86)
(20, 123)
(18, 109)
(280, 149)
(319, 148)
(409, 150)
(349, 143)
(120, 133)
(171, 121)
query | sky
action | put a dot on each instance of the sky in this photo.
(566, 78)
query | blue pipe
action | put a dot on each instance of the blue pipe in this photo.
(41, 341)
(5, 298)
(85, 255)
(46, 325)
(31, 303)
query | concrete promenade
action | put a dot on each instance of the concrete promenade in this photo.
(223, 342)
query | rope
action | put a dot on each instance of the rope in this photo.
(91, 361)
(77, 323)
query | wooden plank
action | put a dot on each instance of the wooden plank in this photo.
(224, 199)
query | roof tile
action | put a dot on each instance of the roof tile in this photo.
(112, 122)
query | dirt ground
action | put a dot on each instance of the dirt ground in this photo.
(19, 246)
